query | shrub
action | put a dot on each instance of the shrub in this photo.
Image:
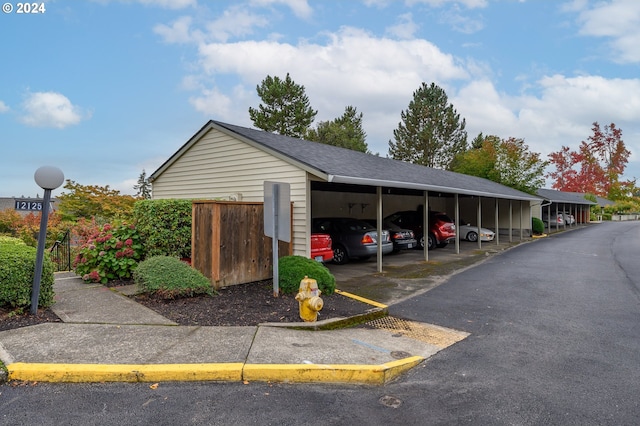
(111, 254)
(10, 222)
(17, 263)
(164, 226)
(293, 269)
(170, 278)
(11, 240)
(27, 227)
(537, 225)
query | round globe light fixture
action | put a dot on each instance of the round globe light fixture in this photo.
(48, 177)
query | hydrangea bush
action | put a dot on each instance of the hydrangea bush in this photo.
(110, 254)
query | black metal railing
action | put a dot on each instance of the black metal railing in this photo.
(60, 253)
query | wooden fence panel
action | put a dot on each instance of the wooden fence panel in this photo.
(228, 242)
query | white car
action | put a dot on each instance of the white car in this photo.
(556, 220)
(470, 233)
(569, 219)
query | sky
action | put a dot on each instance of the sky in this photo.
(104, 89)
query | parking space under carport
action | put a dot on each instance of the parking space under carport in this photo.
(509, 216)
(407, 274)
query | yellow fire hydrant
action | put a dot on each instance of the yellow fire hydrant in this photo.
(309, 299)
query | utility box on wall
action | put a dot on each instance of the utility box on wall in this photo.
(228, 244)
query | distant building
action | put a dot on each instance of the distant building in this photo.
(25, 205)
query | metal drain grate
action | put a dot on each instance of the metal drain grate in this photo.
(429, 333)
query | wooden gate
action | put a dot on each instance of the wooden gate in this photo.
(228, 244)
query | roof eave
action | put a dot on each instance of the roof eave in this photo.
(424, 187)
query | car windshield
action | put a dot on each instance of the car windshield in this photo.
(356, 225)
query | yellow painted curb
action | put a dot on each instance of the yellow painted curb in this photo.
(90, 373)
(296, 373)
(361, 299)
(329, 373)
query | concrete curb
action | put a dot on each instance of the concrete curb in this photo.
(93, 373)
(283, 373)
(337, 373)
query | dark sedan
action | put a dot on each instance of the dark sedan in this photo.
(352, 238)
(402, 239)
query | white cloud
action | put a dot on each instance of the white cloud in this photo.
(471, 4)
(50, 109)
(166, 4)
(618, 20)
(212, 102)
(404, 29)
(300, 8)
(178, 32)
(460, 22)
(3, 107)
(236, 21)
(170, 4)
(351, 59)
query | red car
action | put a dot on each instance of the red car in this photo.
(442, 230)
(321, 247)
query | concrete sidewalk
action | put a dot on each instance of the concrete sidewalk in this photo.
(106, 336)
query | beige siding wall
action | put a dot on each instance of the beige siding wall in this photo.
(221, 167)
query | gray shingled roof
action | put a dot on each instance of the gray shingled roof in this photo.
(340, 165)
(348, 166)
(564, 197)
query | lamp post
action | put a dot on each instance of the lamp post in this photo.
(48, 178)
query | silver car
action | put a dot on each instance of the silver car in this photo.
(469, 232)
(352, 238)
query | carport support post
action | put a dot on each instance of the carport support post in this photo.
(379, 223)
(457, 219)
(497, 226)
(521, 229)
(425, 225)
(479, 221)
(510, 221)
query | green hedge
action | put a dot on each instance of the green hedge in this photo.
(293, 269)
(170, 278)
(164, 227)
(17, 263)
(537, 225)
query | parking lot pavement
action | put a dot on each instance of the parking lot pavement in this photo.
(406, 274)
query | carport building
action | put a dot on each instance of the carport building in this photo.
(229, 162)
(560, 202)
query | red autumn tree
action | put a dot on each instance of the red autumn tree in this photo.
(596, 167)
